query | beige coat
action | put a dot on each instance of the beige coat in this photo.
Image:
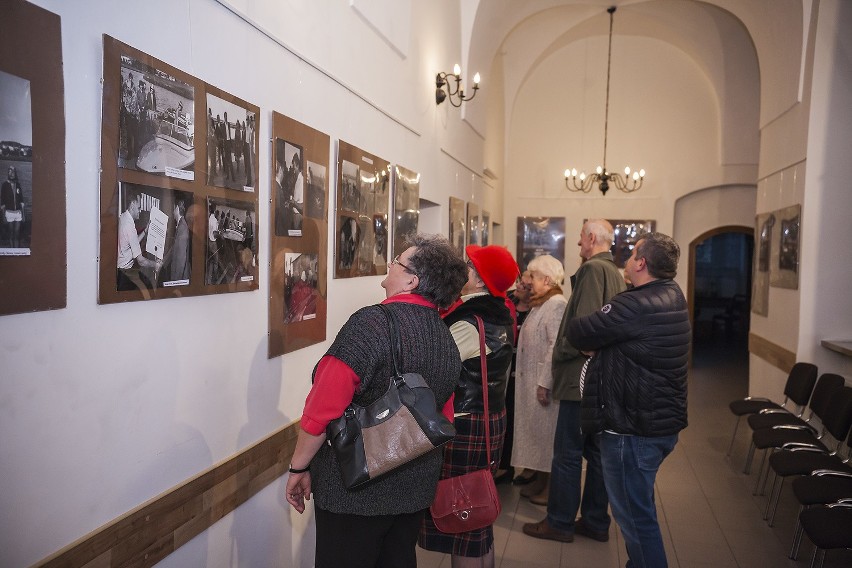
(535, 424)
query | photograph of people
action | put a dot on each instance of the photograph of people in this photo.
(156, 125)
(349, 194)
(230, 228)
(289, 189)
(300, 286)
(315, 198)
(135, 270)
(16, 160)
(231, 152)
(379, 523)
(177, 262)
(406, 206)
(457, 222)
(347, 243)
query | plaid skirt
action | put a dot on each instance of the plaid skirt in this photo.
(463, 454)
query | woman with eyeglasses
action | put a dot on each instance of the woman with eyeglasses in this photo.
(377, 525)
(491, 271)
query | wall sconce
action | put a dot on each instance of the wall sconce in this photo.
(453, 90)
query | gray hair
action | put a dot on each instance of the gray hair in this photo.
(440, 270)
(548, 266)
(661, 254)
(601, 229)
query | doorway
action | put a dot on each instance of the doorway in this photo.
(720, 288)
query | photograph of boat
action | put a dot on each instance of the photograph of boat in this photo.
(173, 144)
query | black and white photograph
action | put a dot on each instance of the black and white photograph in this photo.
(763, 228)
(538, 236)
(231, 149)
(156, 124)
(406, 207)
(473, 228)
(784, 263)
(315, 199)
(16, 166)
(290, 189)
(300, 286)
(457, 224)
(485, 231)
(231, 248)
(349, 239)
(154, 238)
(626, 234)
(349, 197)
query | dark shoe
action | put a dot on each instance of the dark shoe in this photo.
(581, 529)
(545, 531)
(505, 477)
(540, 498)
(524, 479)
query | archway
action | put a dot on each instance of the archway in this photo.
(719, 290)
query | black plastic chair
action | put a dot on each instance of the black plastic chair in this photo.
(797, 389)
(821, 487)
(823, 391)
(802, 453)
(829, 527)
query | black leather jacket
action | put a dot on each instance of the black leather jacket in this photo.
(499, 339)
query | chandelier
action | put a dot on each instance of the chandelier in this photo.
(603, 177)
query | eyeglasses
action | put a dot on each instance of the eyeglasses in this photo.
(399, 262)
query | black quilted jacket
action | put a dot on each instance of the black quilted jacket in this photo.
(636, 382)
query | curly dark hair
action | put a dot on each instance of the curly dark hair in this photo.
(440, 270)
(661, 254)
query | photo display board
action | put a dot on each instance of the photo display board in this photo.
(361, 220)
(298, 291)
(32, 161)
(538, 236)
(457, 232)
(178, 195)
(406, 207)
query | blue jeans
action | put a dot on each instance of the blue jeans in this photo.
(630, 465)
(570, 446)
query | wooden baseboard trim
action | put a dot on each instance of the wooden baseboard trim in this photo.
(771, 353)
(152, 531)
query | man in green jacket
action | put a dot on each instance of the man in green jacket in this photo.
(594, 283)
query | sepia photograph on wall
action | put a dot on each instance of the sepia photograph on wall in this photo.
(406, 207)
(361, 220)
(170, 225)
(33, 271)
(298, 291)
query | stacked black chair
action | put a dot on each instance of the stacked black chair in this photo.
(829, 527)
(801, 452)
(797, 390)
(770, 417)
(819, 488)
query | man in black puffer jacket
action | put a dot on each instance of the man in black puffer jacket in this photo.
(635, 388)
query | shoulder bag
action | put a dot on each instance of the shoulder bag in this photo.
(404, 424)
(470, 501)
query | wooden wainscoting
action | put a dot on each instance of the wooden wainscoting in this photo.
(771, 353)
(152, 531)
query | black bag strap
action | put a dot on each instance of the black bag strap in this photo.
(483, 365)
(394, 336)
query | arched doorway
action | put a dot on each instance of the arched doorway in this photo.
(720, 268)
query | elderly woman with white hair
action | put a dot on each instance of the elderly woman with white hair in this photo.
(535, 413)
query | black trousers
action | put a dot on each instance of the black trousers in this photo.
(356, 541)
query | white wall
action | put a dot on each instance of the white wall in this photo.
(105, 407)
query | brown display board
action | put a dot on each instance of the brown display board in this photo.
(32, 161)
(361, 223)
(178, 199)
(298, 291)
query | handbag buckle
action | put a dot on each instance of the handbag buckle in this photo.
(463, 515)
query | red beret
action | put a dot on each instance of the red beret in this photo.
(495, 265)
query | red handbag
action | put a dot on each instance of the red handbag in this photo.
(470, 501)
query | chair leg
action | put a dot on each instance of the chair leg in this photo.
(759, 474)
(733, 436)
(769, 499)
(797, 536)
(768, 471)
(818, 558)
(749, 459)
(780, 481)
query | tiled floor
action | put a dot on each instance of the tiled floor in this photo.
(707, 513)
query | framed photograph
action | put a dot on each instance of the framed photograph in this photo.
(406, 207)
(232, 143)
(485, 230)
(538, 236)
(32, 161)
(361, 222)
(626, 233)
(784, 258)
(194, 234)
(763, 228)
(458, 224)
(298, 292)
(473, 226)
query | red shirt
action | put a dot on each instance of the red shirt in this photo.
(335, 383)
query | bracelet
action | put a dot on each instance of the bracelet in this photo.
(294, 470)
